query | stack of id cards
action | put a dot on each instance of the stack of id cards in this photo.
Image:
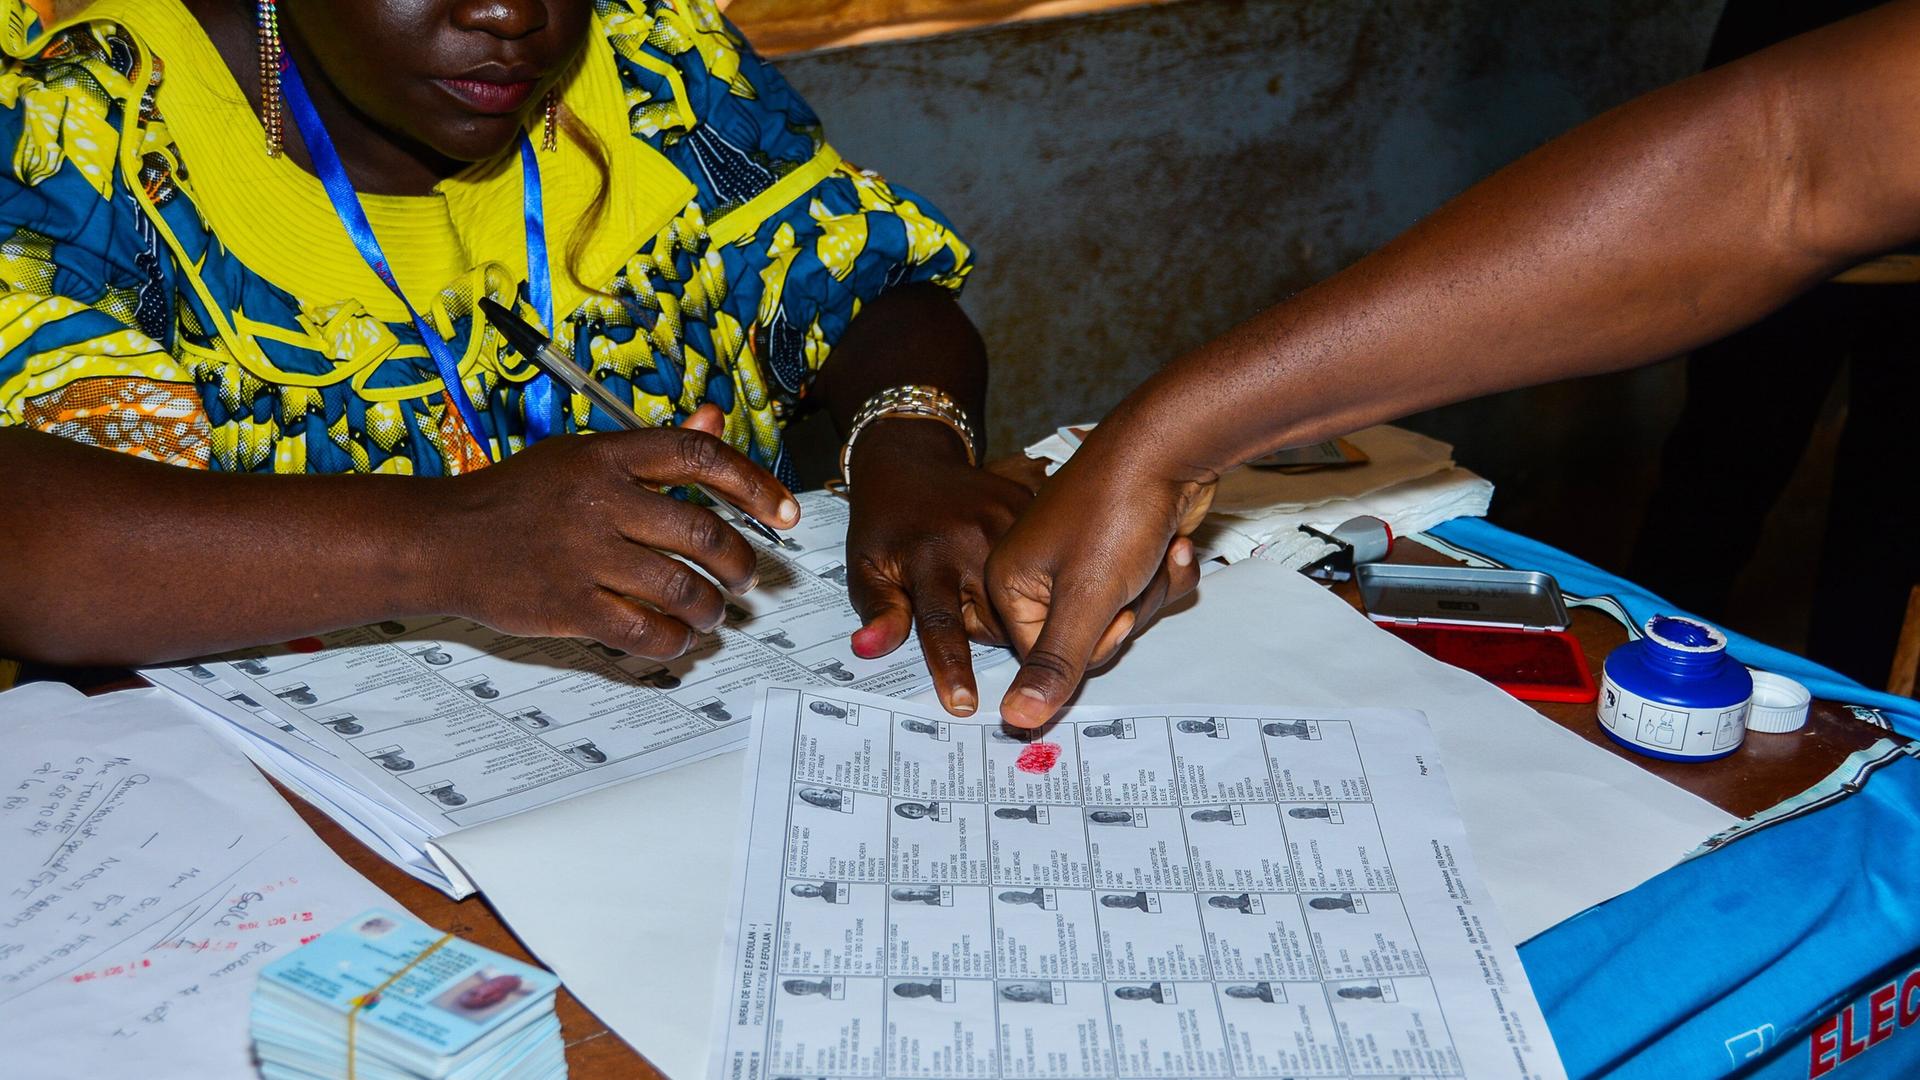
(387, 997)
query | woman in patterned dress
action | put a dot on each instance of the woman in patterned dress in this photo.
(172, 294)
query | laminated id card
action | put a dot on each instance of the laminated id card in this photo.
(444, 1003)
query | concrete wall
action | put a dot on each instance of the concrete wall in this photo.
(1138, 180)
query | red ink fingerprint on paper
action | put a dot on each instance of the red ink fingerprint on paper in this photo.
(1038, 757)
(306, 644)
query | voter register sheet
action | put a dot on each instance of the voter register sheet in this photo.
(450, 723)
(1170, 891)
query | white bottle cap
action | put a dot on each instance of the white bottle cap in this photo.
(1779, 704)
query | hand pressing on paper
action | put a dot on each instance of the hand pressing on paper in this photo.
(922, 522)
(1102, 549)
(572, 537)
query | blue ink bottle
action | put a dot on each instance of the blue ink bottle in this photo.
(1675, 694)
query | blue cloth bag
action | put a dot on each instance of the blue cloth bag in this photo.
(1792, 951)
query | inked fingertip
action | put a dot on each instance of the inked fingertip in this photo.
(866, 642)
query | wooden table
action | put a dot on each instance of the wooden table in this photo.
(1766, 770)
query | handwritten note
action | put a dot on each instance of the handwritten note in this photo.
(146, 872)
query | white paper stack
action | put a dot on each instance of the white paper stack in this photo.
(409, 730)
(313, 771)
(420, 1006)
(154, 874)
(1409, 481)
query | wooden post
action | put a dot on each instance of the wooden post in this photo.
(1906, 654)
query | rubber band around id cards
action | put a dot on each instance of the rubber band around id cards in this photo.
(373, 995)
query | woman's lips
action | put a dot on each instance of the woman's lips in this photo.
(493, 98)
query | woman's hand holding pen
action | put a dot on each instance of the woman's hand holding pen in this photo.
(571, 537)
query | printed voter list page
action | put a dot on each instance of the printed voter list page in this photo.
(451, 723)
(1175, 891)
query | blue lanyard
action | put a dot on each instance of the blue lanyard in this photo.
(540, 396)
(542, 400)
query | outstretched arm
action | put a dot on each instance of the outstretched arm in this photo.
(1660, 225)
(109, 559)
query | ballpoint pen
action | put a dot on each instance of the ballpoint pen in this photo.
(538, 349)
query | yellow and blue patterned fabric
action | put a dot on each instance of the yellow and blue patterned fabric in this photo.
(168, 290)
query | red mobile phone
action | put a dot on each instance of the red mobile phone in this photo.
(1532, 665)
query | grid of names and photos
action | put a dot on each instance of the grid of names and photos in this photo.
(1155, 895)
